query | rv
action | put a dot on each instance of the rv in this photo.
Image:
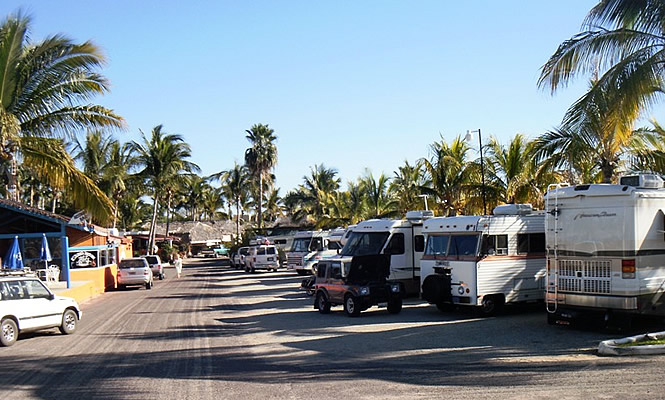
(606, 250)
(485, 261)
(310, 247)
(402, 239)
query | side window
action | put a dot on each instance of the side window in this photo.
(16, 291)
(396, 244)
(529, 243)
(502, 245)
(35, 290)
(316, 245)
(4, 291)
(419, 243)
(336, 271)
(494, 245)
(321, 270)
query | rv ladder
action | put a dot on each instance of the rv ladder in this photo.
(552, 212)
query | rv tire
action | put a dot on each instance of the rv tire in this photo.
(444, 307)
(490, 306)
(395, 306)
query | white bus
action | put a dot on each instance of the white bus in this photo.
(606, 250)
(485, 261)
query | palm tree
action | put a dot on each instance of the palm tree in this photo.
(116, 176)
(513, 170)
(623, 38)
(449, 176)
(42, 86)
(260, 159)
(274, 204)
(94, 153)
(313, 198)
(407, 185)
(234, 185)
(162, 158)
(380, 203)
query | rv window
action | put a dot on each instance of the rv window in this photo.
(528, 243)
(300, 245)
(365, 243)
(494, 245)
(280, 241)
(396, 244)
(419, 243)
(437, 245)
(316, 245)
(463, 245)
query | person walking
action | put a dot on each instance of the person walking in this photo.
(178, 265)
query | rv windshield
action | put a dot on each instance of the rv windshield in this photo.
(365, 243)
(452, 245)
(301, 244)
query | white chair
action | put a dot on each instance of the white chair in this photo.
(52, 274)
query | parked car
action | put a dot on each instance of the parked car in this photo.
(27, 305)
(262, 257)
(156, 266)
(238, 258)
(214, 252)
(133, 272)
(357, 285)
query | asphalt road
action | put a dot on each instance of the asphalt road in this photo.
(217, 333)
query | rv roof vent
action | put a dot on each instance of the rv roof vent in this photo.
(416, 216)
(647, 181)
(513, 209)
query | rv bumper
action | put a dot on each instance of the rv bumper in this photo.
(592, 301)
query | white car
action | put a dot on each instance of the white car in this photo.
(27, 305)
(134, 271)
(262, 257)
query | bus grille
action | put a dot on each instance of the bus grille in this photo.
(585, 276)
(294, 260)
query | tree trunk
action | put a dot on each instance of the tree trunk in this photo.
(260, 216)
(115, 212)
(151, 234)
(237, 220)
(168, 213)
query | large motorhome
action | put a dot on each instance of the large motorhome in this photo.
(485, 261)
(310, 247)
(606, 249)
(402, 239)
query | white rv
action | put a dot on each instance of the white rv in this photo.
(310, 247)
(485, 261)
(606, 249)
(401, 238)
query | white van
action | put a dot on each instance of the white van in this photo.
(263, 256)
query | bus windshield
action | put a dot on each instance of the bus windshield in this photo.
(452, 245)
(365, 243)
(301, 244)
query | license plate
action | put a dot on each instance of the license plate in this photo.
(271, 259)
(132, 273)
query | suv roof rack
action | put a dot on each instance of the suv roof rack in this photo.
(16, 272)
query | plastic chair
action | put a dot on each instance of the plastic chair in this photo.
(53, 274)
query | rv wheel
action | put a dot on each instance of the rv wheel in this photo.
(490, 306)
(444, 307)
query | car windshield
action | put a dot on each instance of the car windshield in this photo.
(152, 259)
(365, 243)
(124, 264)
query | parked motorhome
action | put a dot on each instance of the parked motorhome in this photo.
(606, 249)
(310, 247)
(485, 261)
(401, 238)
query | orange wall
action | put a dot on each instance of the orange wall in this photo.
(103, 278)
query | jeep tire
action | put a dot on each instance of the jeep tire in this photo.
(322, 303)
(395, 306)
(351, 306)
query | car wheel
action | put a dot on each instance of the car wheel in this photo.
(246, 269)
(322, 303)
(121, 287)
(148, 285)
(161, 276)
(69, 320)
(8, 332)
(301, 272)
(395, 306)
(351, 306)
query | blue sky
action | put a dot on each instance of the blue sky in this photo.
(348, 84)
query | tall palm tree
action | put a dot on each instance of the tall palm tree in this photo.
(260, 159)
(94, 153)
(42, 88)
(313, 198)
(514, 173)
(161, 158)
(234, 185)
(274, 206)
(116, 176)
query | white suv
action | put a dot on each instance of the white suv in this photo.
(262, 257)
(134, 271)
(27, 305)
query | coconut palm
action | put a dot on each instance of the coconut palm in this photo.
(161, 158)
(379, 201)
(42, 88)
(274, 206)
(313, 198)
(450, 176)
(624, 40)
(260, 159)
(407, 186)
(234, 185)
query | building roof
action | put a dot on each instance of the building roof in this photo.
(200, 231)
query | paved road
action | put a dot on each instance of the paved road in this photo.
(223, 334)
